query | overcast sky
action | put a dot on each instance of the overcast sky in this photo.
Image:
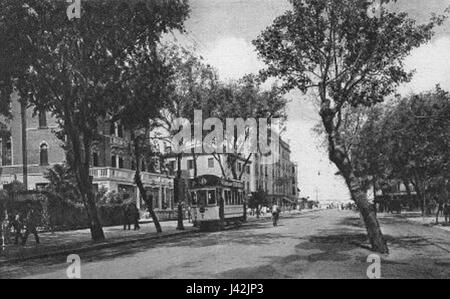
(222, 31)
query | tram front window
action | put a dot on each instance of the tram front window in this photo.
(201, 198)
(211, 197)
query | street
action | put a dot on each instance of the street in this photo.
(322, 244)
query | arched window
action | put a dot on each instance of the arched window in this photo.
(44, 154)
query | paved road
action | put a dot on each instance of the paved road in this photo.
(326, 244)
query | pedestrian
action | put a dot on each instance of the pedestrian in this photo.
(275, 214)
(127, 217)
(5, 230)
(134, 213)
(447, 212)
(31, 222)
(15, 222)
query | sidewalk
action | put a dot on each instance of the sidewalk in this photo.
(416, 218)
(69, 242)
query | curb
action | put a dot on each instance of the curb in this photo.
(98, 246)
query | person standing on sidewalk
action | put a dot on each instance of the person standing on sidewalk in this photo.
(16, 223)
(31, 222)
(136, 216)
(127, 217)
(5, 230)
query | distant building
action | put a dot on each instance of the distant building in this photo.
(278, 178)
(112, 165)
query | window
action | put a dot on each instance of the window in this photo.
(210, 163)
(44, 154)
(133, 164)
(112, 129)
(211, 197)
(239, 167)
(114, 161)
(248, 169)
(120, 162)
(190, 164)
(201, 198)
(42, 119)
(95, 159)
(172, 166)
(120, 131)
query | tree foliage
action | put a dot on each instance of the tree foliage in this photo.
(350, 59)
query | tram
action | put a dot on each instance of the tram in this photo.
(215, 202)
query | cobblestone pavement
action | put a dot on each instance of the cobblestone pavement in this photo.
(323, 244)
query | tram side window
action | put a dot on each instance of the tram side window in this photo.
(227, 197)
(211, 197)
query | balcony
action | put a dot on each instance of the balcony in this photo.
(127, 176)
(118, 141)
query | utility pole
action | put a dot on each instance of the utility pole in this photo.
(23, 113)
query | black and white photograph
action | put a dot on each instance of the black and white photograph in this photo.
(225, 143)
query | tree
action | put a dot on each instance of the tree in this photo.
(76, 67)
(408, 141)
(193, 82)
(145, 83)
(349, 58)
(62, 183)
(244, 100)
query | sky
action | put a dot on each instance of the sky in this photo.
(221, 31)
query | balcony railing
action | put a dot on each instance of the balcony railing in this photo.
(109, 173)
(118, 141)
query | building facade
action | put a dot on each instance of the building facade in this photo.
(276, 175)
(112, 165)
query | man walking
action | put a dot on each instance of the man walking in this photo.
(275, 214)
(31, 223)
(15, 222)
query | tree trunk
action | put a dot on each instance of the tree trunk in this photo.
(148, 201)
(179, 195)
(340, 158)
(87, 194)
(140, 185)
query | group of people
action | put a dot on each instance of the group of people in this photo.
(20, 225)
(131, 216)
